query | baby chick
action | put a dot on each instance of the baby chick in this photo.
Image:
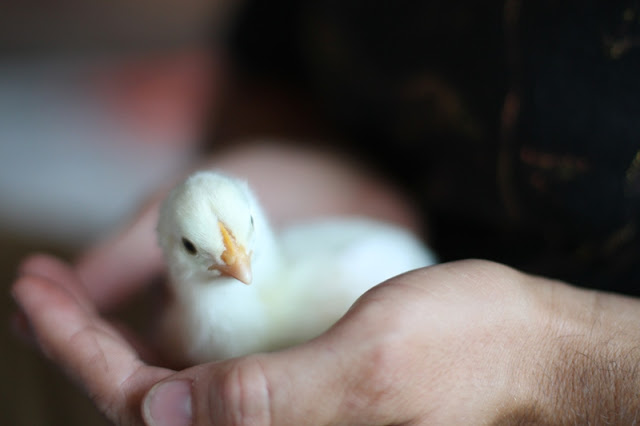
(237, 288)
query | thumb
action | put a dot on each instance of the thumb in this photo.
(315, 383)
(289, 387)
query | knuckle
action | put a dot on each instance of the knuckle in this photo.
(380, 374)
(492, 280)
(243, 396)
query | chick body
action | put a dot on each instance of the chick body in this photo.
(304, 279)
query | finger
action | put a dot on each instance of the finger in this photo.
(49, 267)
(87, 348)
(121, 266)
(54, 270)
(316, 183)
(262, 389)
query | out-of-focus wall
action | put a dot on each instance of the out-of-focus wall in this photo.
(101, 103)
(102, 24)
(85, 140)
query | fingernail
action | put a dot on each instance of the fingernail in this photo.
(168, 404)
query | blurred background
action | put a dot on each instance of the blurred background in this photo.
(100, 103)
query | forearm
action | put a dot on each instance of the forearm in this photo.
(585, 371)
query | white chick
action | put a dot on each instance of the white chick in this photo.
(237, 289)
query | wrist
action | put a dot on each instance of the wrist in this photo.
(585, 364)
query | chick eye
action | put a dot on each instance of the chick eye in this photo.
(252, 225)
(188, 246)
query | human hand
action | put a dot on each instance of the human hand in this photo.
(316, 183)
(470, 342)
(466, 342)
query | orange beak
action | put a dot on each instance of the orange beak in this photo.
(237, 263)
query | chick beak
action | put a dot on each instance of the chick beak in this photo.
(237, 263)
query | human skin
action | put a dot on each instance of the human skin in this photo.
(469, 342)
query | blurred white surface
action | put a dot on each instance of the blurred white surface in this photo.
(73, 164)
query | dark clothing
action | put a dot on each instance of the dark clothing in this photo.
(516, 124)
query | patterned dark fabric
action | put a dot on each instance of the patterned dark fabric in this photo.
(516, 123)
(572, 152)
